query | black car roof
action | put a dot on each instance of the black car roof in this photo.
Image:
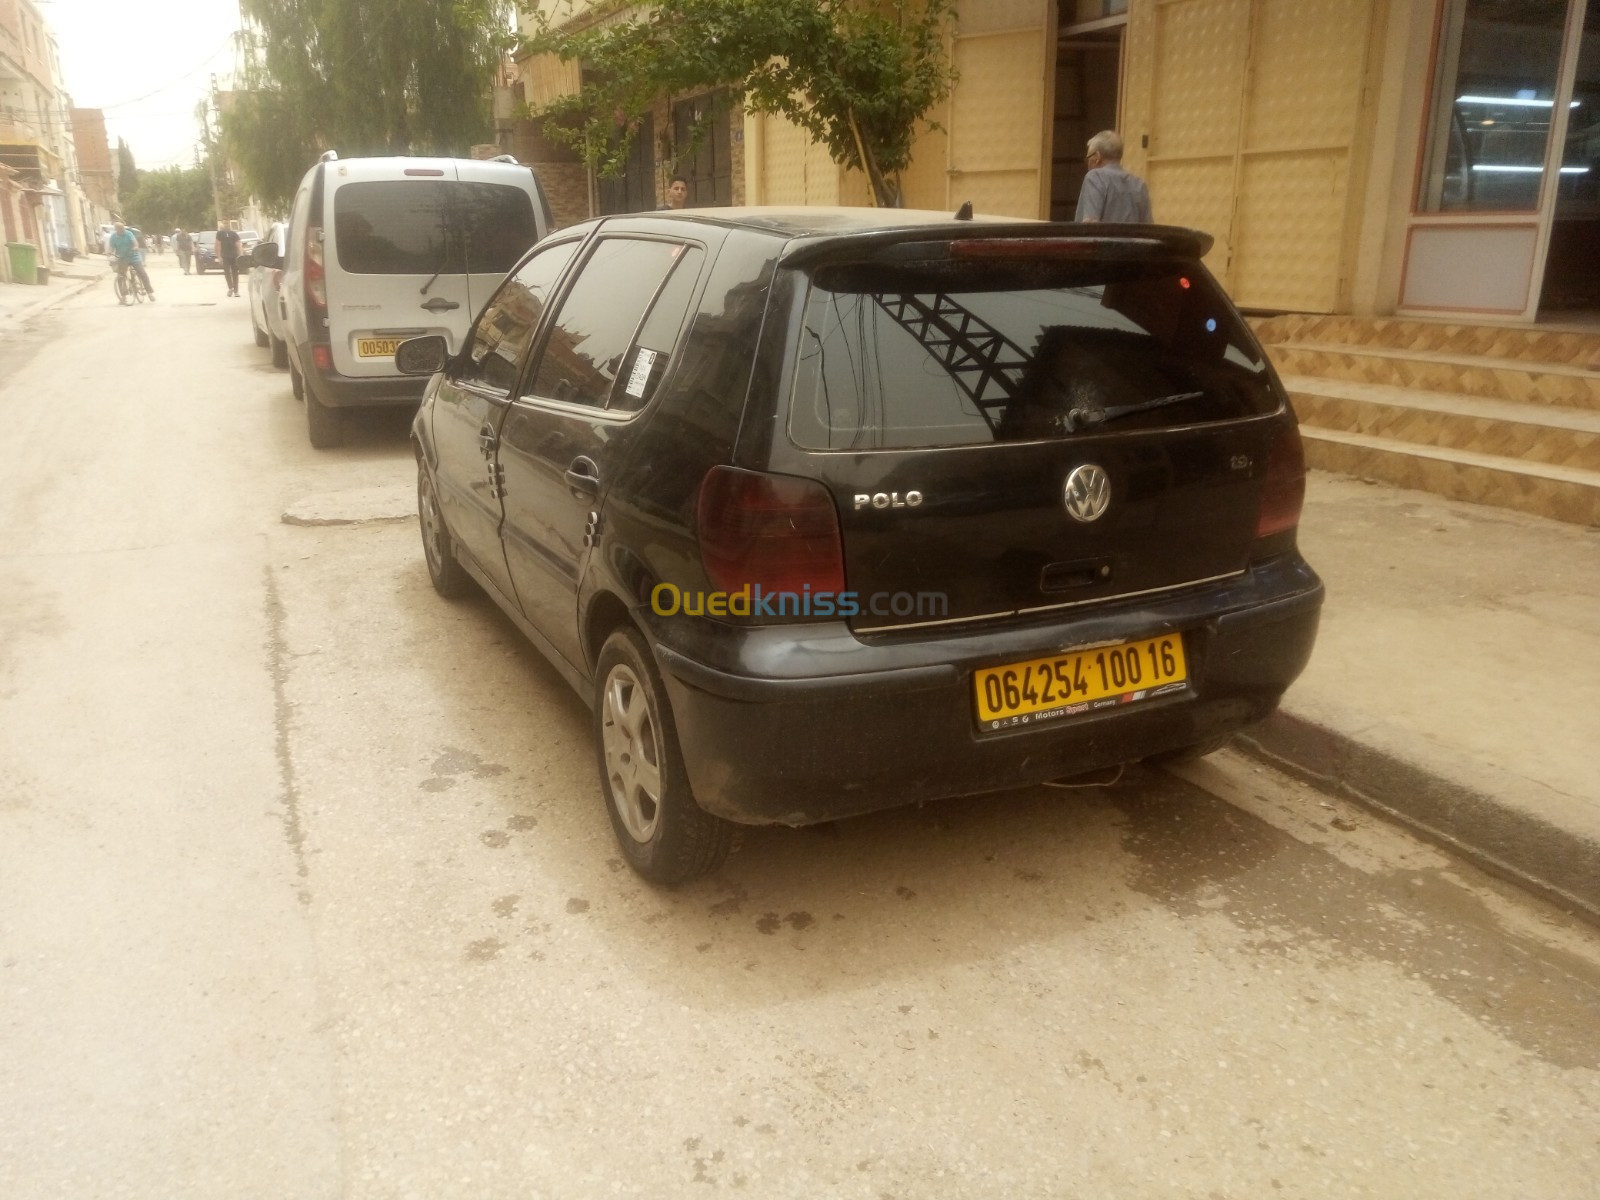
(820, 231)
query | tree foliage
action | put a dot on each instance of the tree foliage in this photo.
(360, 77)
(171, 197)
(858, 75)
(127, 173)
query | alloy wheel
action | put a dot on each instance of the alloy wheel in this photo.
(632, 752)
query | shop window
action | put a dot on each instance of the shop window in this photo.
(1493, 98)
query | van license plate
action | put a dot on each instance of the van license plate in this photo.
(1044, 689)
(377, 347)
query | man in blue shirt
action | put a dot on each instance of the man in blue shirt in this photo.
(1110, 193)
(123, 247)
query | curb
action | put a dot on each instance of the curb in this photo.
(1474, 819)
(81, 283)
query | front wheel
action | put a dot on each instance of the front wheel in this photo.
(665, 836)
(280, 352)
(262, 339)
(121, 287)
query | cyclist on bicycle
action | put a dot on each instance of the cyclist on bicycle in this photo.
(124, 249)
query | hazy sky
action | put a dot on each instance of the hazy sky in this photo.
(148, 74)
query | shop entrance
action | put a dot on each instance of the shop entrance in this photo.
(1088, 75)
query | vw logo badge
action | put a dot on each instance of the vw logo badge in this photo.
(1087, 493)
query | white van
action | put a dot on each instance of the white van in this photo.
(385, 249)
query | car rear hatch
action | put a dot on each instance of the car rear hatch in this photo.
(1017, 423)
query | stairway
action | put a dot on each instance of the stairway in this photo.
(1499, 415)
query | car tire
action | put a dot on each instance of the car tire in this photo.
(324, 425)
(280, 352)
(438, 547)
(262, 339)
(297, 382)
(1191, 753)
(664, 834)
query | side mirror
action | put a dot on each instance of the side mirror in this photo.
(266, 254)
(421, 355)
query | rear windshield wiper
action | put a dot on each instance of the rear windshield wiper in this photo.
(1089, 418)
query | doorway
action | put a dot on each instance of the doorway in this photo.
(1088, 76)
(1571, 280)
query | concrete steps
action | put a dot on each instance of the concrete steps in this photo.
(1505, 416)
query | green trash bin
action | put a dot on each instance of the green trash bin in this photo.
(24, 261)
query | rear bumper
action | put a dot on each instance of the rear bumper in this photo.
(884, 729)
(334, 390)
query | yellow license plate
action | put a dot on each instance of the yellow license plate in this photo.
(377, 347)
(1044, 689)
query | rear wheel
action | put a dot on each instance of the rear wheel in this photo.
(438, 548)
(280, 352)
(297, 383)
(261, 334)
(663, 833)
(324, 425)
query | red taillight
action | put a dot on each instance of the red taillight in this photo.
(775, 532)
(322, 357)
(1285, 489)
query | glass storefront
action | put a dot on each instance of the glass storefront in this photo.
(1497, 71)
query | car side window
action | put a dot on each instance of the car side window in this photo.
(591, 334)
(507, 323)
(647, 360)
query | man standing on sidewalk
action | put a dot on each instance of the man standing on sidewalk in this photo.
(1110, 193)
(183, 243)
(228, 254)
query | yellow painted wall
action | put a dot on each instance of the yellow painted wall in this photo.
(1256, 117)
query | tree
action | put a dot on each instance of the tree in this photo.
(170, 197)
(858, 75)
(361, 77)
(127, 173)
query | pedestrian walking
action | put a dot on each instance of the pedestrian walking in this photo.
(183, 243)
(228, 254)
(1110, 193)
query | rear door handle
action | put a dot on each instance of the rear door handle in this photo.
(583, 476)
(440, 304)
(486, 438)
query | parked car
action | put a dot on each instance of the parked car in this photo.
(382, 249)
(267, 318)
(830, 510)
(205, 251)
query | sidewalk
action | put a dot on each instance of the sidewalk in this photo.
(1456, 680)
(20, 303)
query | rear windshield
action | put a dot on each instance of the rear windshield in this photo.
(957, 354)
(419, 226)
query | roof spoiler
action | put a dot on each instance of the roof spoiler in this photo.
(1041, 239)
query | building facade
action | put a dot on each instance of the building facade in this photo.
(43, 202)
(1429, 157)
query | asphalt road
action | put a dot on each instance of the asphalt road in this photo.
(306, 891)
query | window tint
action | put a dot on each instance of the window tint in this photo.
(596, 324)
(509, 319)
(961, 354)
(419, 226)
(498, 224)
(647, 361)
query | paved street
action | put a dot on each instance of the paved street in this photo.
(306, 890)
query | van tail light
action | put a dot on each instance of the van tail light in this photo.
(322, 356)
(776, 532)
(1284, 491)
(316, 275)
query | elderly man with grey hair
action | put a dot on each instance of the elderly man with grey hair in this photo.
(1110, 193)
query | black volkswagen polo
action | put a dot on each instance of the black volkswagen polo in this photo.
(828, 510)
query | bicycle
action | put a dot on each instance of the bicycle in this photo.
(128, 283)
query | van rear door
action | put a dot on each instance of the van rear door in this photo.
(499, 215)
(395, 267)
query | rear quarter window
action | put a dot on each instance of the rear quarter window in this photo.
(953, 354)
